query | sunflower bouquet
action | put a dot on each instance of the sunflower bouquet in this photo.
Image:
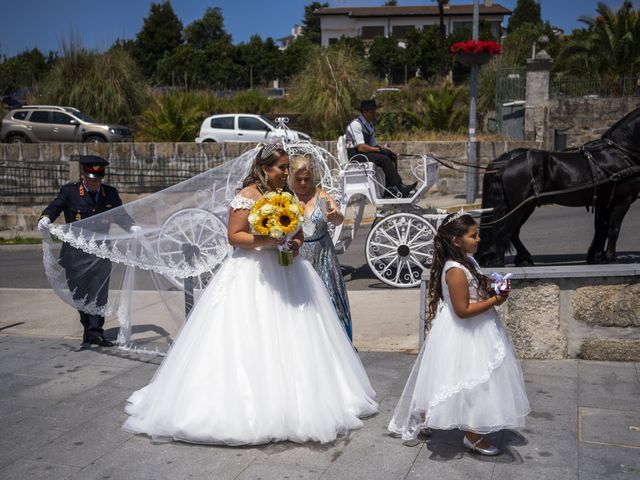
(278, 215)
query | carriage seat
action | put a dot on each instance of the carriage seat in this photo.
(360, 171)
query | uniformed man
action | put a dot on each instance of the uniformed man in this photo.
(87, 275)
(362, 146)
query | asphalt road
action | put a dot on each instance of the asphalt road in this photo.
(553, 235)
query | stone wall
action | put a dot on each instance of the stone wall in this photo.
(587, 311)
(585, 119)
(20, 212)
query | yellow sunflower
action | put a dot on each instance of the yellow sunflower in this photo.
(285, 221)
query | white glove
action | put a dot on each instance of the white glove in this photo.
(135, 229)
(43, 224)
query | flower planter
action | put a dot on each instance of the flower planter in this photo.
(471, 59)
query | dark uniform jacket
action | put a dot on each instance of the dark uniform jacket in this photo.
(77, 203)
(87, 275)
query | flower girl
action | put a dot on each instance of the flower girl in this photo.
(467, 375)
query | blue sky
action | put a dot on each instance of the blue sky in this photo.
(43, 23)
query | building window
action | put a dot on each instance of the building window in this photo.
(402, 31)
(457, 25)
(333, 41)
(369, 33)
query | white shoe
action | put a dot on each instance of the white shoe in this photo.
(490, 451)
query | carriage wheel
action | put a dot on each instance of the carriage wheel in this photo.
(399, 247)
(193, 237)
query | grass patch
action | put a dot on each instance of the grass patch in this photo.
(18, 240)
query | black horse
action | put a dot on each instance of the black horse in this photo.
(603, 174)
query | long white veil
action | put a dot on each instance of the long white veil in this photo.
(157, 272)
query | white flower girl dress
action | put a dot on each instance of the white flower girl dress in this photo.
(466, 375)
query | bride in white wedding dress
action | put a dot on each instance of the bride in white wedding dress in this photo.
(263, 356)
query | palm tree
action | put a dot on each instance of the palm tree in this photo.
(446, 110)
(172, 117)
(610, 44)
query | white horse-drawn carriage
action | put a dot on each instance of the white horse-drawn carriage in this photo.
(399, 246)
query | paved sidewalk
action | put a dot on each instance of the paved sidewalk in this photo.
(62, 410)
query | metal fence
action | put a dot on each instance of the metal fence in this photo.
(32, 178)
(511, 86)
(596, 87)
(131, 175)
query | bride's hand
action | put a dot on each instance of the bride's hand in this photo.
(267, 242)
(294, 246)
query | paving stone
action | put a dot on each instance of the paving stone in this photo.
(275, 471)
(609, 385)
(141, 458)
(27, 469)
(62, 409)
(614, 427)
(610, 462)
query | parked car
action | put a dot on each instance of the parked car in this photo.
(49, 123)
(241, 127)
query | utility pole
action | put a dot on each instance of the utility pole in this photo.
(472, 144)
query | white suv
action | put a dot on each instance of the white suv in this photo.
(242, 127)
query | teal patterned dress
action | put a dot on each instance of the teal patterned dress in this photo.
(319, 250)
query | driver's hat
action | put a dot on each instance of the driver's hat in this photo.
(93, 166)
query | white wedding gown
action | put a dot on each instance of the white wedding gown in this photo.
(261, 358)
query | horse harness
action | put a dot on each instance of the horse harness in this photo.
(599, 176)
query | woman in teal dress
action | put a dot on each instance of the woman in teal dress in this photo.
(320, 210)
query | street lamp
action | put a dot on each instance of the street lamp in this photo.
(472, 144)
(403, 46)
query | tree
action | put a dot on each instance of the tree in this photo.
(172, 117)
(258, 61)
(387, 58)
(207, 30)
(24, 70)
(447, 109)
(107, 86)
(422, 51)
(295, 57)
(517, 46)
(609, 46)
(161, 35)
(526, 11)
(329, 89)
(311, 22)
(391, 3)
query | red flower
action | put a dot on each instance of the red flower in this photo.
(477, 46)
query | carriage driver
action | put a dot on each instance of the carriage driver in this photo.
(87, 275)
(360, 140)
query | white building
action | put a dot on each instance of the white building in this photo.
(371, 22)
